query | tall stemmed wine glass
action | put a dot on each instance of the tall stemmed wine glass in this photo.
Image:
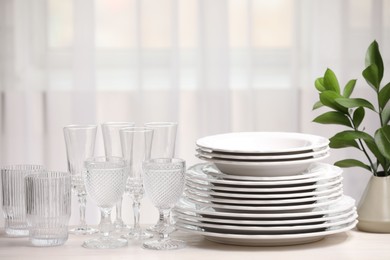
(105, 182)
(164, 184)
(136, 145)
(112, 147)
(80, 145)
(163, 146)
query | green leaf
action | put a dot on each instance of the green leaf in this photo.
(386, 114)
(337, 143)
(373, 56)
(348, 89)
(371, 76)
(382, 140)
(328, 98)
(317, 105)
(331, 82)
(354, 102)
(333, 117)
(358, 116)
(384, 95)
(319, 84)
(352, 163)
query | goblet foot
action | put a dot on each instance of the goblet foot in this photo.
(83, 230)
(164, 244)
(105, 243)
(137, 235)
(161, 227)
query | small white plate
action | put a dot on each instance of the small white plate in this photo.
(194, 183)
(262, 142)
(221, 194)
(254, 168)
(216, 155)
(267, 240)
(259, 230)
(194, 217)
(342, 205)
(261, 202)
(328, 172)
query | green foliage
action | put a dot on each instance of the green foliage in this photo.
(350, 112)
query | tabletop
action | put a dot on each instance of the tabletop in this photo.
(353, 244)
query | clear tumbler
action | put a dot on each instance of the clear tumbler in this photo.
(48, 207)
(13, 199)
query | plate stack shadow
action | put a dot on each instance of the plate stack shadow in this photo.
(264, 189)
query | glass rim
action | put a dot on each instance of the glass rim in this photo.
(135, 129)
(119, 123)
(49, 175)
(162, 160)
(160, 124)
(75, 126)
(23, 167)
(98, 160)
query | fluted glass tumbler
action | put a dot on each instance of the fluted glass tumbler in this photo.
(112, 147)
(105, 182)
(136, 145)
(164, 184)
(48, 207)
(13, 198)
(80, 145)
(163, 146)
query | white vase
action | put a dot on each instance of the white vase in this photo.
(374, 206)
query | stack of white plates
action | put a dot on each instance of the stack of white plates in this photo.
(264, 202)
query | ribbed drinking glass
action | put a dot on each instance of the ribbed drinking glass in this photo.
(48, 207)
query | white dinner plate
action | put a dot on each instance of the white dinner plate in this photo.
(342, 205)
(262, 142)
(256, 157)
(194, 183)
(255, 168)
(267, 240)
(314, 170)
(328, 172)
(261, 202)
(263, 222)
(268, 230)
(228, 194)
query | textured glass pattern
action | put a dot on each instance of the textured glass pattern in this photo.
(13, 199)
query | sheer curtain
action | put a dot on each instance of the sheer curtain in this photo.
(212, 66)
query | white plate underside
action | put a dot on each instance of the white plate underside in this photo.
(262, 142)
(267, 240)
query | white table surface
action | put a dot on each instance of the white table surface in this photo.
(349, 245)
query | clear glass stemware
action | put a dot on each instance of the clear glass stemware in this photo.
(136, 145)
(80, 145)
(112, 147)
(164, 184)
(105, 182)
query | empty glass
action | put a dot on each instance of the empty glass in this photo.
(136, 145)
(112, 147)
(105, 182)
(163, 146)
(164, 184)
(13, 199)
(48, 207)
(80, 145)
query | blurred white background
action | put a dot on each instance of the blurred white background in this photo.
(213, 66)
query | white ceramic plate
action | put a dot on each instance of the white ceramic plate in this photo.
(194, 217)
(342, 205)
(194, 183)
(267, 240)
(261, 202)
(262, 142)
(328, 172)
(314, 170)
(269, 208)
(254, 168)
(316, 193)
(216, 155)
(259, 230)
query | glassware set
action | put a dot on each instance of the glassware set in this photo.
(137, 160)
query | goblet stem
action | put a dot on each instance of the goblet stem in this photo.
(105, 223)
(118, 223)
(136, 215)
(82, 204)
(164, 231)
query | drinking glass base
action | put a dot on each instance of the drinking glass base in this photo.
(161, 228)
(83, 230)
(164, 244)
(140, 235)
(105, 243)
(16, 232)
(48, 241)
